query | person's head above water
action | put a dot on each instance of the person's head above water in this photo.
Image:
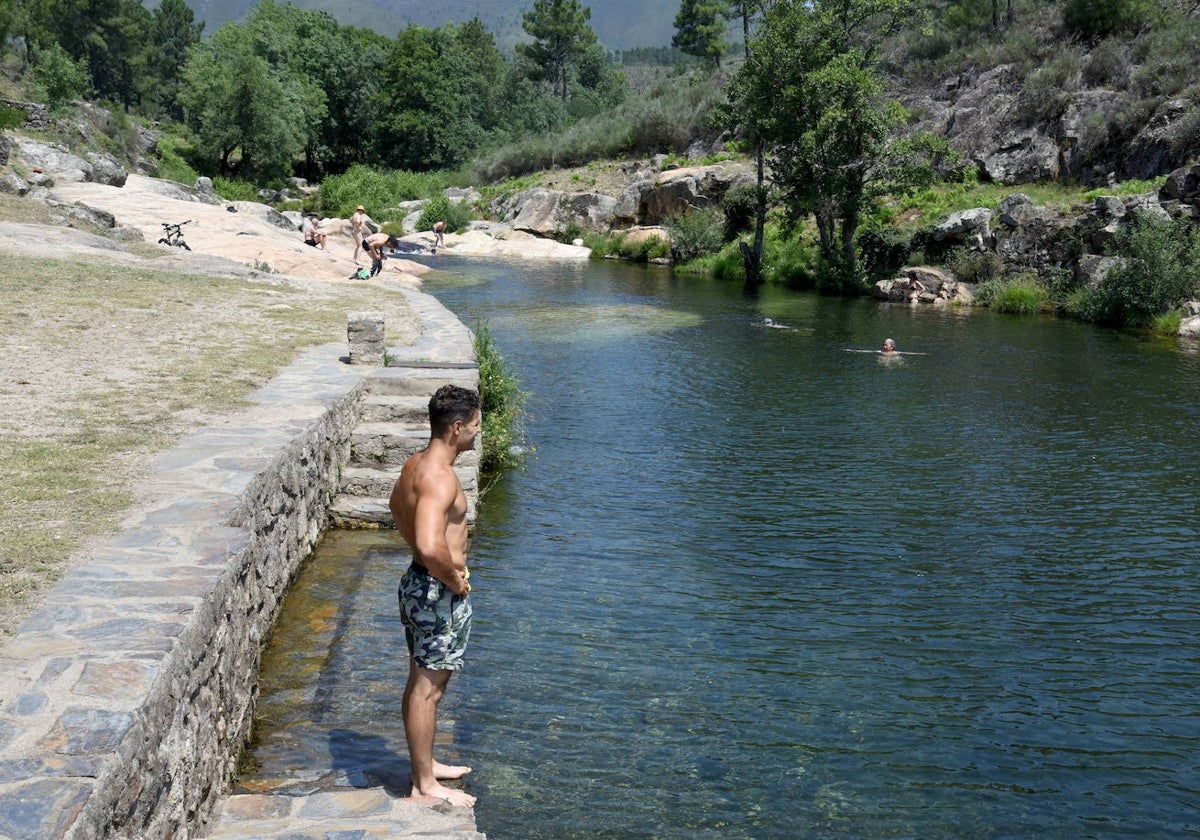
(889, 346)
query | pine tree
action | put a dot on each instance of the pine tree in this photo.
(561, 33)
(700, 29)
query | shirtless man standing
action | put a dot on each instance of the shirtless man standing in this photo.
(358, 229)
(430, 510)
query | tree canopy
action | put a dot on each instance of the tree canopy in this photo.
(810, 90)
(700, 29)
(561, 34)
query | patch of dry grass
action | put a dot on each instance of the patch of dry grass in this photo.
(103, 366)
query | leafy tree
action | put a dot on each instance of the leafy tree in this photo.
(1160, 270)
(700, 29)
(110, 38)
(175, 30)
(598, 85)
(750, 11)
(561, 33)
(1092, 19)
(246, 118)
(433, 105)
(59, 76)
(812, 93)
(8, 19)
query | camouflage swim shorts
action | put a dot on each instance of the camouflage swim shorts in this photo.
(437, 623)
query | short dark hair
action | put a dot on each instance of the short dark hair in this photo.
(450, 403)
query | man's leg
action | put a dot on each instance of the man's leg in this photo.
(422, 694)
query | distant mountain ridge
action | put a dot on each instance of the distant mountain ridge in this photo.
(619, 24)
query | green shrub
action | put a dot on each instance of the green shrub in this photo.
(1047, 91)
(1107, 65)
(172, 164)
(884, 251)
(792, 261)
(455, 214)
(376, 190)
(1168, 323)
(234, 190)
(695, 233)
(654, 130)
(653, 247)
(971, 266)
(1089, 19)
(598, 242)
(59, 77)
(1021, 296)
(11, 116)
(571, 232)
(1166, 61)
(727, 264)
(740, 206)
(502, 404)
(533, 154)
(1161, 269)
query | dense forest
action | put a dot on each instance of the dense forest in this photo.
(834, 104)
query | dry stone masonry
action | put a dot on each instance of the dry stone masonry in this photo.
(126, 699)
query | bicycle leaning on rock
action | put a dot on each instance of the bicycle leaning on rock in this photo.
(173, 235)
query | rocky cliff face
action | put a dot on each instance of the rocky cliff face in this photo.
(1090, 135)
(649, 198)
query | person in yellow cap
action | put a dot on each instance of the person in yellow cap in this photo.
(358, 229)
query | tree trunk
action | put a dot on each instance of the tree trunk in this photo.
(752, 263)
(849, 253)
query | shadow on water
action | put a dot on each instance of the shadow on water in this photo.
(368, 761)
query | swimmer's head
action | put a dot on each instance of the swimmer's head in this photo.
(888, 344)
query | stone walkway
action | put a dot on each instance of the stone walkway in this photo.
(77, 678)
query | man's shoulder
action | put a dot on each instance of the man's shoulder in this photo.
(430, 472)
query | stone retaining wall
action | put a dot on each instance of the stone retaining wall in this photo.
(125, 700)
(127, 697)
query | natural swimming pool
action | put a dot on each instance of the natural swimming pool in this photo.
(752, 585)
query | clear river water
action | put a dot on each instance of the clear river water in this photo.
(752, 585)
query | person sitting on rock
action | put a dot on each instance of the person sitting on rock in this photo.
(915, 288)
(313, 235)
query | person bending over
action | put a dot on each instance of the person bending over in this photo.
(373, 247)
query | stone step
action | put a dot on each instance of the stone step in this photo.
(378, 482)
(384, 444)
(421, 381)
(349, 511)
(360, 512)
(358, 813)
(395, 408)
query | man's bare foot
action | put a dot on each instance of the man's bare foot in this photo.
(457, 798)
(449, 771)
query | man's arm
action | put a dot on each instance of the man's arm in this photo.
(435, 498)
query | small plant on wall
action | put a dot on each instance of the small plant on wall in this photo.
(503, 406)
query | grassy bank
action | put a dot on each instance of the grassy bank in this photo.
(103, 366)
